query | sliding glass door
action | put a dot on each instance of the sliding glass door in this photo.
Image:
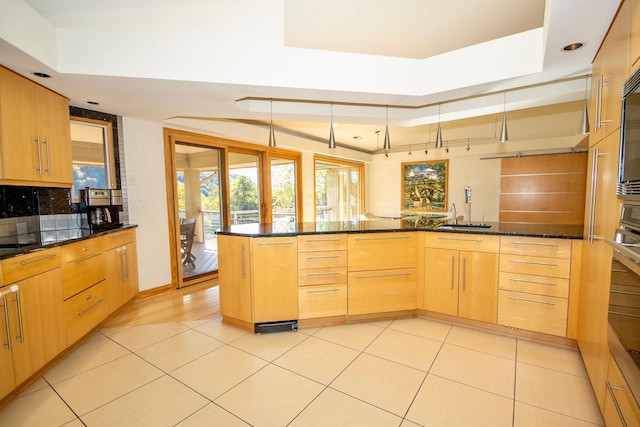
(339, 189)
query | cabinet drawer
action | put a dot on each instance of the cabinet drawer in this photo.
(320, 276)
(23, 266)
(533, 312)
(119, 238)
(80, 250)
(322, 259)
(556, 248)
(379, 251)
(322, 242)
(322, 301)
(462, 241)
(382, 290)
(538, 266)
(86, 310)
(82, 266)
(539, 285)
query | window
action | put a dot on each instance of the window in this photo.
(92, 152)
(339, 189)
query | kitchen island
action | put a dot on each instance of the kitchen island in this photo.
(285, 275)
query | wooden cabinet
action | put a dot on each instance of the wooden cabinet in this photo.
(83, 265)
(620, 407)
(7, 381)
(35, 141)
(634, 42)
(382, 274)
(234, 275)
(461, 282)
(322, 275)
(34, 311)
(121, 268)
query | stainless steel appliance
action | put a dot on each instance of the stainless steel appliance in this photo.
(629, 176)
(624, 296)
(102, 207)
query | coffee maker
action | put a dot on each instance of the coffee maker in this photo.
(102, 207)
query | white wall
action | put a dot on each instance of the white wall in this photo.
(144, 159)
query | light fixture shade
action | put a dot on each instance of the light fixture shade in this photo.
(439, 137)
(387, 142)
(332, 138)
(272, 136)
(584, 127)
(504, 137)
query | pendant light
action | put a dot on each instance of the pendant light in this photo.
(332, 138)
(439, 132)
(504, 137)
(387, 142)
(584, 126)
(272, 134)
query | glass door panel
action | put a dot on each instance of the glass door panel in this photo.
(244, 188)
(338, 190)
(284, 190)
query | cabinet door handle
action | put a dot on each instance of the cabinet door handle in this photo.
(593, 194)
(42, 258)
(598, 100)
(383, 238)
(78, 261)
(244, 273)
(537, 282)
(615, 401)
(518, 261)
(6, 323)
(464, 273)
(37, 141)
(17, 301)
(92, 306)
(125, 257)
(534, 244)
(121, 263)
(453, 270)
(532, 300)
(46, 145)
(317, 291)
(383, 275)
(461, 239)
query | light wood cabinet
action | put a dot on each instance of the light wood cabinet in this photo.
(83, 265)
(382, 272)
(620, 407)
(121, 264)
(634, 42)
(322, 276)
(35, 313)
(7, 381)
(86, 310)
(235, 273)
(461, 282)
(35, 140)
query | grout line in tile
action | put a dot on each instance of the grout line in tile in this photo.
(65, 402)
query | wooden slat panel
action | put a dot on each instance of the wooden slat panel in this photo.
(567, 202)
(576, 162)
(542, 217)
(564, 183)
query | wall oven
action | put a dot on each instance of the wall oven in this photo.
(629, 173)
(624, 296)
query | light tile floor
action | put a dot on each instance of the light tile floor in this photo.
(410, 372)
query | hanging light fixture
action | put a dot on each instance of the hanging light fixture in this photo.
(584, 127)
(439, 132)
(387, 142)
(503, 131)
(468, 147)
(409, 149)
(332, 138)
(272, 134)
(426, 146)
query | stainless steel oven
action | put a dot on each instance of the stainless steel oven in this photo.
(624, 296)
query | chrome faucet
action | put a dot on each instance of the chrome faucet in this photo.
(455, 214)
(467, 199)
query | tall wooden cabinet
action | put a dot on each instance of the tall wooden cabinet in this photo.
(121, 261)
(35, 140)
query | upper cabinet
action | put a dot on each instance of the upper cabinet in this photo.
(35, 141)
(610, 70)
(634, 43)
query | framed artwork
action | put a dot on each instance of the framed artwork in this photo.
(424, 186)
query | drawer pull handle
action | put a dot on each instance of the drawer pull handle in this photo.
(78, 261)
(85, 248)
(517, 261)
(81, 312)
(323, 290)
(323, 257)
(331, 273)
(533, 300)
(42, 258)
(88, 297)
(537, 282)
(461, 239)
(611, 389)
(275, 243)
(322, 240)
(534, 244)
(618, 313)
(384, 275)
(383, 238)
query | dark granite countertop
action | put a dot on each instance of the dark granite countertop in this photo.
(67, 237)
(276, 229)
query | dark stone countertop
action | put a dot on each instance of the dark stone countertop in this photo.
(561, 231)
(78, 234)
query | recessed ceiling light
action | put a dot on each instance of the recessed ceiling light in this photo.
(43, 75)
(572, 46)
(93, 102)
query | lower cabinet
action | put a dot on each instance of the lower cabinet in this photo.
(121, 261)
(620, 407)
(380, 291)
(322, 301)
(85, 310)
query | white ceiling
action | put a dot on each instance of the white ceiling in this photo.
(213, 65)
